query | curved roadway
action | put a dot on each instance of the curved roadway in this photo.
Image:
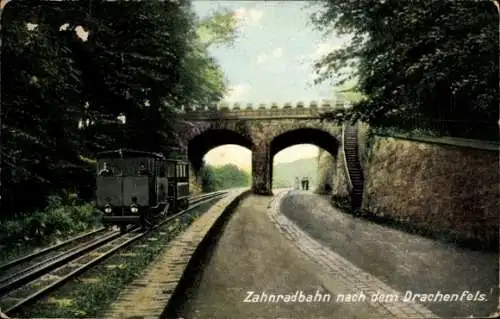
(253, 256)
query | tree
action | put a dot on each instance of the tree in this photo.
(351, 93)
(134, 55)
(209, 183)
(223, 177)
(219, 29)
(40, 106)
(416, 61)
(141, 60)
(201, 73)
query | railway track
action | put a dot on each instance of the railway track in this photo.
(22, 286)
(29, 262)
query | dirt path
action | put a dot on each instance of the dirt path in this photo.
(252, 255)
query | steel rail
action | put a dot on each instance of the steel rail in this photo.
(31, 256)
(7, 266)
(25, 278)
(200, 200)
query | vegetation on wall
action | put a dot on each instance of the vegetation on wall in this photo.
(423, 64)
(71, 69)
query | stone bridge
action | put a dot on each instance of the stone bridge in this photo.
(263, 129)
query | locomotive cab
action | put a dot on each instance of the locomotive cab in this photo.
(132, 187)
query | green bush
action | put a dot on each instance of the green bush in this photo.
(59, 219)
(415, 132)
(215, 178)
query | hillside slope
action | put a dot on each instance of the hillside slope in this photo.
(284, 173)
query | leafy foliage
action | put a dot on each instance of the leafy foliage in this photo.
(60, 219)
(62, 94)
(39, 105)
(223, 177)
(416, 62)
(217, 29)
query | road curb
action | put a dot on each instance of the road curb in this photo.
(342, 269)
(201, 253)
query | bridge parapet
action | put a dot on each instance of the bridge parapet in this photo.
(237, 107)
(261, 111)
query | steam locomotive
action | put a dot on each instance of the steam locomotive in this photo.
(139, 188)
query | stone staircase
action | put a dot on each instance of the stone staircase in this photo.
(353, 165)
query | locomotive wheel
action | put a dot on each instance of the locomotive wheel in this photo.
(148, 220)
(123, 228)
(185, 203)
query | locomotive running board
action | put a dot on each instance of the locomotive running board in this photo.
(112, 219)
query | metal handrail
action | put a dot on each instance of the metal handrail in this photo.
(349, 181)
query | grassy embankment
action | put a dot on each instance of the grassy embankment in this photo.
(60, 220)
(93, 292)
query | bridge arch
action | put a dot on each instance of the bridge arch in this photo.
(202, 143)
(314, 136)
(264, 131)
(318, 137)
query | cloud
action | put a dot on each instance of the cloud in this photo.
(248, 17)
(320, 50)
(324, 48)
(262, 58)
(306, 62)
(273, 55)
(296, 152)
(230, 154)
(237, 93)
(278, 52)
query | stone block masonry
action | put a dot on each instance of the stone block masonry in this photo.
(437, 187)
(265, 132)
(444, 189)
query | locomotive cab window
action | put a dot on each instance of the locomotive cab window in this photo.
(161, 169)
(143, 167)
(105, 169)
(171, 169)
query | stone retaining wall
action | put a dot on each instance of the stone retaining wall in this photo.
(436, 187)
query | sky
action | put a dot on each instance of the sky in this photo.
(271, 61)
